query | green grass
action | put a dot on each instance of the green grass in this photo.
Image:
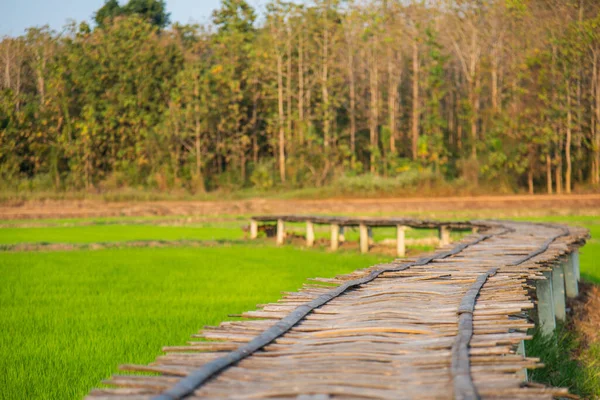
(561, 369)
(103, 231)
(116, 233)
(69, 318)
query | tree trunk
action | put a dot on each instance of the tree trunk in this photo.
(281, 118)
(374, 105)
(352, 108)
(559, 164)
(549, 173)
(474, 96)
(325, 78)
(596, 171)
(288, 79)
(531, 170)
(494, 71)
(415, 96)
(301, 89)
(197, 131)
(392, 103)
(7, 80)
(568, 173)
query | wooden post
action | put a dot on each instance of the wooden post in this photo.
(400, 240)
(342, 235)
(575, 258)
(253, 229)
(571, 286)
(310, 234)
(335, 236)
(280, 231)
(521, 352)
(371, 240)
(364, 238)
(545, 306)
(558, 292)
(444, 233)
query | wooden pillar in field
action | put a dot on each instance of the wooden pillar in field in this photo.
(364, 238)
(253, 229)
(558, 292)
(310, 234)
(280, 231)
(571, 286)
(335, 236)
(444, 234)
(370, 232)
(342, 234)
(545, 306)
(575, 259)
(400, 240)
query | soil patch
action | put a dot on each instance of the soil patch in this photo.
(522, 205)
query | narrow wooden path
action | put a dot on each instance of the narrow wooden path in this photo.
(449, 325)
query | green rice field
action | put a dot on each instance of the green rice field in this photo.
(70, 318)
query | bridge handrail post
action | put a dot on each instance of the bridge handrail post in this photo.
(545, 306)
(401, 240)
(571, 286)
(280, 231)
(253, 229)
(364, 238)
(444, 235)
(310, 234)
(558, 293)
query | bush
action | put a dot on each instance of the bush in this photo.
(262, 176)
(377, 184)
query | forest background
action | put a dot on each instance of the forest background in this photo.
(457, 96)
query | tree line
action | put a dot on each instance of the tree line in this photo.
(502, 92)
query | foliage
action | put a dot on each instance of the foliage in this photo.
(560, 368)
(315, 91)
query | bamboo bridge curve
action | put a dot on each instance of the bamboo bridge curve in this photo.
(449, 325)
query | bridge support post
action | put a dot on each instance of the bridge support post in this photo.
(521, 352)
(335, 236)
(400, 240)
(280, 231)
(558, 292)
(364, 238)
(342, 234)
(545, 307)
(310, 234)
(571, 286)
(253, 229)
(371, 240)
(575, 258)
(444, 234)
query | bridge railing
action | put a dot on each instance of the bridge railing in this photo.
(365, 227)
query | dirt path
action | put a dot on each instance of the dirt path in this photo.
(91, 208)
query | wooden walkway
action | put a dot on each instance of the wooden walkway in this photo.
(448, 325)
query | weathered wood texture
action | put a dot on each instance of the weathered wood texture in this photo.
(443, 326)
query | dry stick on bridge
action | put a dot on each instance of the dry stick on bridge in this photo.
(386, 332)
